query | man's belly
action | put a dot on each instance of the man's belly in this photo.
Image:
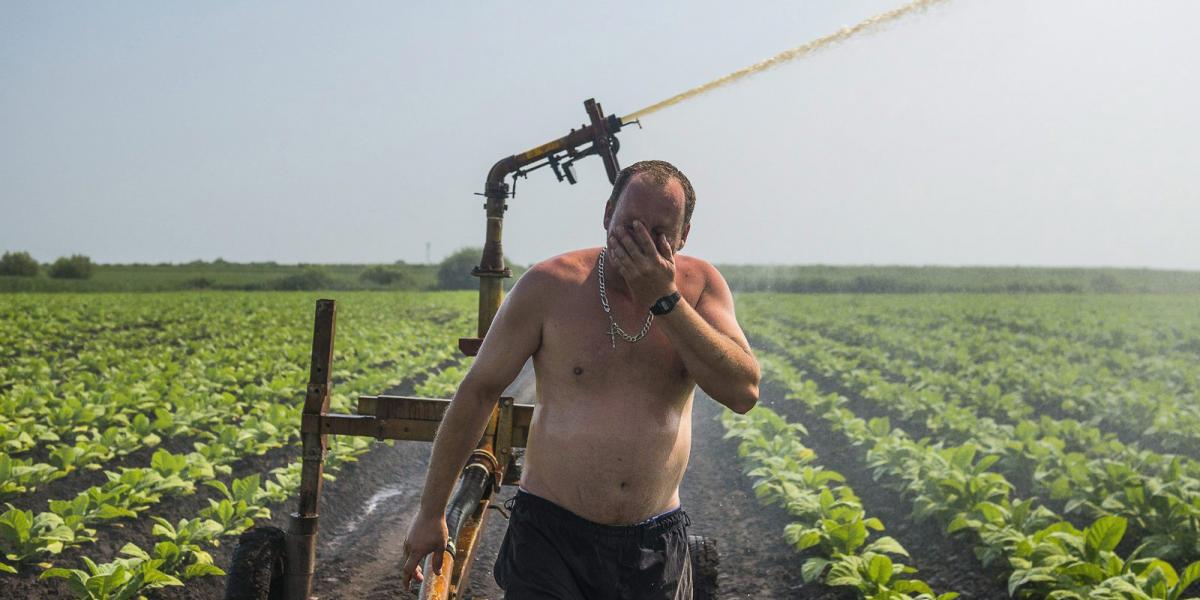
(615, 462)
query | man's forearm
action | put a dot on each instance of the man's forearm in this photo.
(462, 426)
(720, 366)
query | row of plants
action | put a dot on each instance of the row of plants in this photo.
(862, 367)
(181, 554)
(84, 399)
(1150, 397)
(411, 349)
(930, 392)
(1048, 556)
(831, 526)
(1159, 495)
(1138, 337)
(106, 416)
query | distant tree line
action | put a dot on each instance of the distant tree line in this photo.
(21, 264)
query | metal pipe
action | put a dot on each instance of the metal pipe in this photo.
(491, 267)
(472, 485)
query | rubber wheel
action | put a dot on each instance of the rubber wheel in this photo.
(256, 571)
(705, 560)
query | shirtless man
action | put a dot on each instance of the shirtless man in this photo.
(597, 514)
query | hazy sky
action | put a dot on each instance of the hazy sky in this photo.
(988, 132)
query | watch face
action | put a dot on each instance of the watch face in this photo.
(664, 305)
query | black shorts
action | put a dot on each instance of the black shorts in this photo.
(551, 552)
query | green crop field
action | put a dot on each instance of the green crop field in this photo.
(1057, 436)
(1046, 446)
(178, 389)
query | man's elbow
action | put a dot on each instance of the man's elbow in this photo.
(745, 401)
(747, 397)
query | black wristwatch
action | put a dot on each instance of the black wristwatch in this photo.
(664, 305)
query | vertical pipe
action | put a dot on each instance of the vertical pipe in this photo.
(491, 270)
(491, 294)
(302, 528)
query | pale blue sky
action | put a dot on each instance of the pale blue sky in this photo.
(1028, 132)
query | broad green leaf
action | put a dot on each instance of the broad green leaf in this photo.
(1104, 534)
(1190, 575)
(886, 544)
(879, 569)
(813, 568)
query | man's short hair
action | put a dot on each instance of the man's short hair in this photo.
(659, 172)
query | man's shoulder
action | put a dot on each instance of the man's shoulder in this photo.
(694, 264)
(555, 275)
(702, 270)
(567, 268)
(702, 275)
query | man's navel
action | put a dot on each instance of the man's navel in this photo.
(578, 370)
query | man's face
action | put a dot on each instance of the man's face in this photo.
(659, 208)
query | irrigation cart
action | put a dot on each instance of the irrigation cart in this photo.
(270, 563)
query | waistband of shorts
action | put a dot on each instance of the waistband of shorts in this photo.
(661, 522)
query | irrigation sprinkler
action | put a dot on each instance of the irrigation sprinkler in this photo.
(598, 137)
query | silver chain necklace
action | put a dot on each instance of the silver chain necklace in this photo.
(613, 328)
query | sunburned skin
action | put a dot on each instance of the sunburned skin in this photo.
(611, 430)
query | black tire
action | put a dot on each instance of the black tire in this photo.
(256, 571)
(705, 560)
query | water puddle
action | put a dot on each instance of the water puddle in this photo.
(385, 493)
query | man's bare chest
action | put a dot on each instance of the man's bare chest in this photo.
(579, 347)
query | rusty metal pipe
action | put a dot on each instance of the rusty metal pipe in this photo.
(473, 485)
(491, 267)
(436, 586)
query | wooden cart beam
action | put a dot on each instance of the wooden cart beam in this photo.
(406, 427)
